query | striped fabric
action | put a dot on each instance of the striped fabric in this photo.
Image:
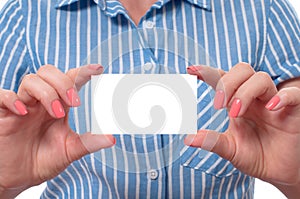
(171, 36)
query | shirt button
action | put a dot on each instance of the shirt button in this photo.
(148, 24)
(153, 174)
(148, 66)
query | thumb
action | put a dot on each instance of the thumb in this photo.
(81, 145)
(82, 75)
(219, 143)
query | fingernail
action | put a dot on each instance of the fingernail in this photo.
(112, 139)
(219, 99)
(193, 70)
(273, 103)
(73, 97)
(95, 66)
(20, 107)
(58, 109)
(235, 108)
(189, 139)
(95, 142)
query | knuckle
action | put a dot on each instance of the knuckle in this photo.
(29, 77)
(46, 95)
(27, 81)
(8, 95)
(45, 69)
(73, 71)
(226, 82)
(246, 67)
(264, 75)
(221, 72)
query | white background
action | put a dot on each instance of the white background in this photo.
(262, 190)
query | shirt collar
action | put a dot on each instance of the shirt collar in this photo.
(62, 3)
(206, 4)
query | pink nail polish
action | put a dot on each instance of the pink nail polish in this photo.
(58, 109)
(73, 97)
(193, 70)
(235, 108)
(273, 103)
(219, 99)
(95, 66)
(20, 107)
(112, 139)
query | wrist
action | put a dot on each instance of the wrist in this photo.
(9, 193)
(290, 191)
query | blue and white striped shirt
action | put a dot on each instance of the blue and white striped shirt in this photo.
(172, 35)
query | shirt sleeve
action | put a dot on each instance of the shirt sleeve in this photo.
(282, 50)
(13, 51)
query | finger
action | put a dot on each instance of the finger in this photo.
(62, 83)
(230, 82)
(259, 86)
(80, 145)
(9, 100)
(213, 141)
(211, 76)
(33, 90)
(82, 75)
(225, 84)
(207, 74)
(285, 97)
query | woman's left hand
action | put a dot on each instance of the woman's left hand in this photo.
(263, 137)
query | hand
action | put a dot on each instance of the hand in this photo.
(263, 137)
(36, 142)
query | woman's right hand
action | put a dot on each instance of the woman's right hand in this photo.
(36, 141)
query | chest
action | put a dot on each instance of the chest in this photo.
(171, 38)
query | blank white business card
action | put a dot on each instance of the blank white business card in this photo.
(144, 104)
